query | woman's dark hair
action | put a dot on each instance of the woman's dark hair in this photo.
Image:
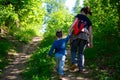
(86, 10)
(59, 33)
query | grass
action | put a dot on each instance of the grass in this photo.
(39, 66)
(5, 46)
(103, 59)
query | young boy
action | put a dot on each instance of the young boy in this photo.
(59, 46)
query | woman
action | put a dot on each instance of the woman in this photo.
(79, 42)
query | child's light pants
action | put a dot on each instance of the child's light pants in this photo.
(60, 61)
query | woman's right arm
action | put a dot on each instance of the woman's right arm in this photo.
(90, 37)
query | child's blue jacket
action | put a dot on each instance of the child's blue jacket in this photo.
(59, 46)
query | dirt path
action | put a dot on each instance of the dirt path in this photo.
(18, 60)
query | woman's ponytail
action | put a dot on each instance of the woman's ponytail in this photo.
(88, 10)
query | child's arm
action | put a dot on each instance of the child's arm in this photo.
(51, 49)
(67, 38)
(70, 30)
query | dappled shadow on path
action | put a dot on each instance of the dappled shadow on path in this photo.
(15, 67)
(18, 60)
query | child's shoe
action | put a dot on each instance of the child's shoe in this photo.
(60, 77)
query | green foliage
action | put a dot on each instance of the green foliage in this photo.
(5, 46)
(47, 41)
(77, 7)
(25, 34)
(54, 5)
(27, 14)
(39, 65)
(57, 21)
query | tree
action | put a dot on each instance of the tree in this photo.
(54, 5)
(58, 20)
(76, 8)
(57, 17)
(21, 16)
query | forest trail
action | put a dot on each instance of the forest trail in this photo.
(68, 75)
(19, 59)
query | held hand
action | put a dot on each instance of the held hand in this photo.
(90, 45)
(69, 32)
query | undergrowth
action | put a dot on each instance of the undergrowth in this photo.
(39, 66)
(4, 47)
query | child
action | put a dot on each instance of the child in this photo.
(59, 46)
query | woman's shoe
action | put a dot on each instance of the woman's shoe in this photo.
(74, 66)
(83, 71)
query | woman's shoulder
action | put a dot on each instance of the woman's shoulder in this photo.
(78, 15)
(81, 16)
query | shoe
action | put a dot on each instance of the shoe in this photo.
(83, 71)
(73, 67)
(60, 77)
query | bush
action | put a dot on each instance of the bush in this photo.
(25, 35)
